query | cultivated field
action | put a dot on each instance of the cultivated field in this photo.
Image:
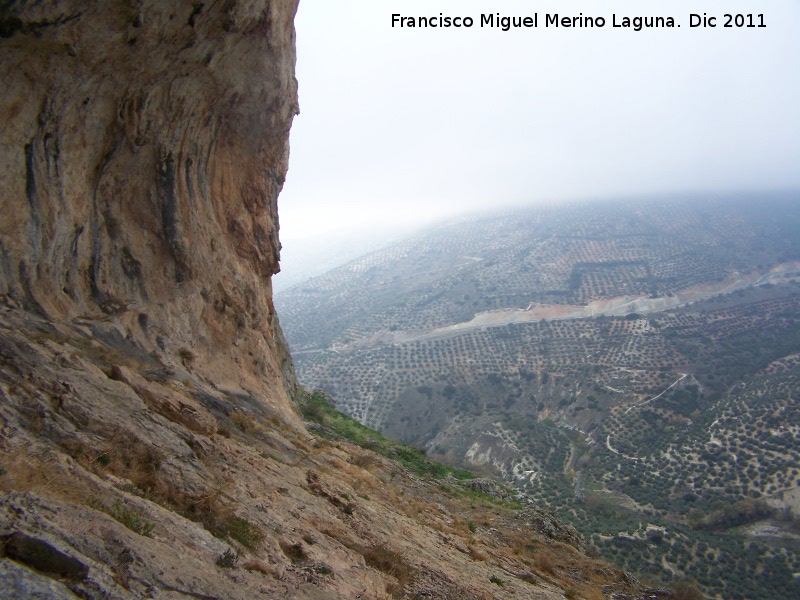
(634, 366)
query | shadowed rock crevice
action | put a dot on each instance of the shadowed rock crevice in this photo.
(42, 556)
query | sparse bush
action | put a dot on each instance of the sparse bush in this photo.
(227, 560)
(133, 521)
(363, 460)
(314, 412)
(260, 567)
(529, 577)
(243, 421)
(545, 564)
(294, 552)
(220, 521)
(476, 554)
(127, 456)
(243, 531)
(388, 561)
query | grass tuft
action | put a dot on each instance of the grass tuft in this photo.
(132, 520)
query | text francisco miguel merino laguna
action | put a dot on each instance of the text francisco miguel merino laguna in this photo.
(506, 23)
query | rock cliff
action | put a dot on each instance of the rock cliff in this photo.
(150, 446)
(143, 147)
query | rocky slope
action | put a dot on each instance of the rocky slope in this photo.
(151, 447)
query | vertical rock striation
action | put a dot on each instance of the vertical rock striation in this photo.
(143, 145)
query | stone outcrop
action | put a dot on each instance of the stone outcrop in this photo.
(143, 146)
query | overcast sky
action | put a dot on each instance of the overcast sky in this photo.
(402, 126)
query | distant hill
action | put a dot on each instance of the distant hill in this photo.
(555, 255)
(303, 259)
(634, 364)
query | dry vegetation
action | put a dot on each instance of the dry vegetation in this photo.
(266, 502)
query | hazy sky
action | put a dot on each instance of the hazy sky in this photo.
(402, 126)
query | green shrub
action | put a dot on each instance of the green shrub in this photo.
(133, 521)
(227, 560)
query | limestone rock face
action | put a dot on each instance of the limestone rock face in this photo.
(143, 145)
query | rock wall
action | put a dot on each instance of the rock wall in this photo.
(143, 145)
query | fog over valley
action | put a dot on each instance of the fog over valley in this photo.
(409, 126)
